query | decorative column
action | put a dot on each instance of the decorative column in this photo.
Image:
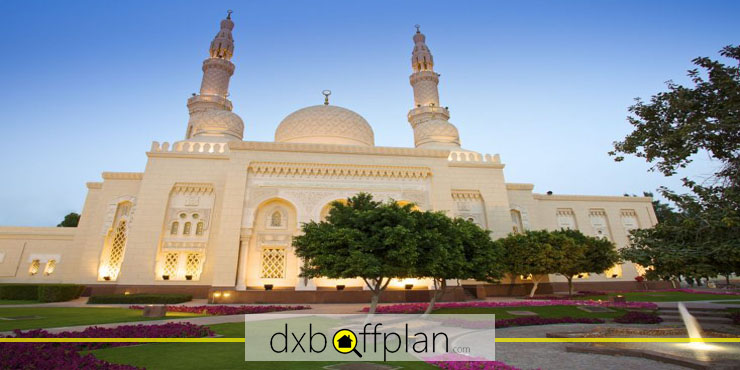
(241, 269)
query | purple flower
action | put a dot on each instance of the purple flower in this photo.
(421, 307)
(67, 356)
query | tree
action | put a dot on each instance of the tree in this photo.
(532, 253)
(581, 253)
(669, 131)
(663, 211)
(441, 252)
(363, 238)
(70, 220)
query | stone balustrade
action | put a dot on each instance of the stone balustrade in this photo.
(193, 147)
(473, 157)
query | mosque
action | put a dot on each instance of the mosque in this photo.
(214, 215)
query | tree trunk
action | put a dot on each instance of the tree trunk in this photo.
(727, 280)
(373, 303)
(438, 292)
(535, 283)
(570, 285)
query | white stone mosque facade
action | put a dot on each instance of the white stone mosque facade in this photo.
(214, 214)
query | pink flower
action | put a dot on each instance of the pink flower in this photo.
(228, 310)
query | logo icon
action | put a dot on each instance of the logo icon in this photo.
(345, 341)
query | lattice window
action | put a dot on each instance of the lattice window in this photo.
(273, 263)
(50, 266)
(170, 264)
(614, 272)
(199, 228)
(34, 268)
(116, 250)
(193, 265)
(186, 229)
(174, 228)
(641, 271)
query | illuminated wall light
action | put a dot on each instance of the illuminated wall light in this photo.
(216, 294)
(34, 268)
(227, 295)
(50, 266)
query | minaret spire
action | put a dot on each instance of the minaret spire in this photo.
(210, 111)
(428, 119)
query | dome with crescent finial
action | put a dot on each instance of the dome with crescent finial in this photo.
(325, 124)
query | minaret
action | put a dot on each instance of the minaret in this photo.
(211, 118)
(428, 119)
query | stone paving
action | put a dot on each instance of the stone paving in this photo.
(553, 355)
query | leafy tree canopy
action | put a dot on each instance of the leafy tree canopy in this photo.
(70, 220)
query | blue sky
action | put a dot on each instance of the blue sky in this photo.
(87, 85)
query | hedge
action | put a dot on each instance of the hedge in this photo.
(20, 292)
(41, 292)
(59, 293)
(140, 298)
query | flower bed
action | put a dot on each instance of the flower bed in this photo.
(421, 307)
(51, 356)
(67, 356)
(229, 310)
(168, 330)
(519, 321)
(460, 362)
(634, 317)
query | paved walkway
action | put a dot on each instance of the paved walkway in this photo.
(553, 355)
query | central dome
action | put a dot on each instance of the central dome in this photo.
(325, 124)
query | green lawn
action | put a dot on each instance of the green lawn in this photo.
(54, 317)
(664, 296)
(544, 311)
(4, 302)
(210, 355)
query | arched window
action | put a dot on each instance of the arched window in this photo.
(199, 228)
(276, 220)
(516, 221)
(186, 229)
(174, 228)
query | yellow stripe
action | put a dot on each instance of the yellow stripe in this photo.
(121, 340)
(241, 340)
(617, 340)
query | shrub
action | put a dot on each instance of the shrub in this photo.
(41, 292)
(140, 298)
(23, 292)
(636, 317)
(59, 292)
(229, 310)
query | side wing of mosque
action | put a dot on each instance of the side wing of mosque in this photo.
(214, 214)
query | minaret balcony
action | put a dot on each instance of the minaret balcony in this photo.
(428, 112)
(197, 103)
